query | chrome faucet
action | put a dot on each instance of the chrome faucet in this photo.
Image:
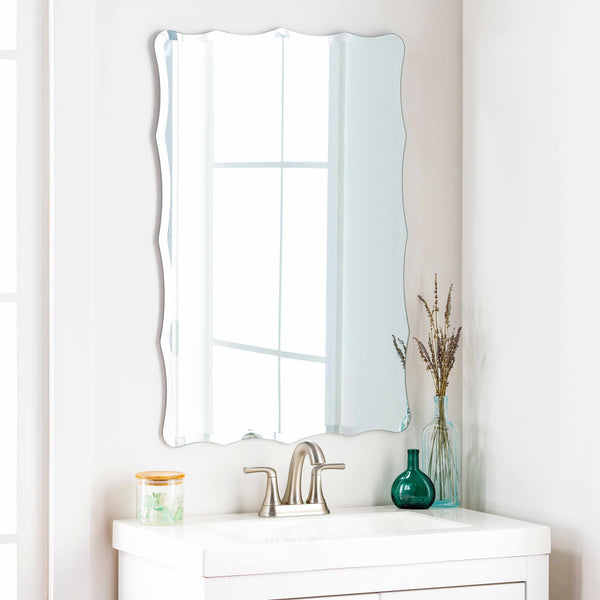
(292, 503)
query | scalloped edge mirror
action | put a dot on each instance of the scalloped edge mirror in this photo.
(282, 235)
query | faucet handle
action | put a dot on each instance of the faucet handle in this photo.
(268, 470)
(315, 494)
(272, 498)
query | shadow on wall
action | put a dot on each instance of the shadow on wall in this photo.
(474, 410)
(565, 575)
(565, 565)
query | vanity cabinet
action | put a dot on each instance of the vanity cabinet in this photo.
(143, 580)
(376, 553)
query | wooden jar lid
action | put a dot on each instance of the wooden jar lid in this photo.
(160, 475)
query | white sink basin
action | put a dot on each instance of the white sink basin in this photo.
(360, 524)
(245, 544)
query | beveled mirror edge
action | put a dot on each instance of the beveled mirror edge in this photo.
(160, 40)
(170, 34)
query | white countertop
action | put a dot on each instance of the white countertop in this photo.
(245, 544)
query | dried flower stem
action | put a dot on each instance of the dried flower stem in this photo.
(439, 352)
(401, 349)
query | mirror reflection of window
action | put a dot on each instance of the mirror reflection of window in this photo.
(270, 149)
(246, 99)
(305, 99)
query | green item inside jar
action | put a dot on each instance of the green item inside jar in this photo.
(160, 508)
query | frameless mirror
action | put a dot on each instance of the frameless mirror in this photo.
(282, 235)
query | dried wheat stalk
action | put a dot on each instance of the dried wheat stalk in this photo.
(401, 349)
(439, 351)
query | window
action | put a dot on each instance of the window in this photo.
(270, 174)
(8, 300)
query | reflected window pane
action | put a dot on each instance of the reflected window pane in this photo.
(306, 99)
(302, 398)
(8, 151)
(8, 25)
(8, 422)
(247, 99)
(244, 394)
(8, 571)
(246, 210)
(304, 261)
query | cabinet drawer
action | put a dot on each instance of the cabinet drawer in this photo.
(503, 591)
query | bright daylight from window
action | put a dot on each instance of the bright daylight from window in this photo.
(8, 300)
(271, 167)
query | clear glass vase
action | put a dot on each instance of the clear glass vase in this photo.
(441, 447)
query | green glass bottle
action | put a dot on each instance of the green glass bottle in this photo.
(413, 489)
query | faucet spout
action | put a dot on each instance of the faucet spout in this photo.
(293, 491)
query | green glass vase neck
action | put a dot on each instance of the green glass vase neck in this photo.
(413, 459)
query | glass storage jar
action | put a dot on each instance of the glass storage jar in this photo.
(160, 497)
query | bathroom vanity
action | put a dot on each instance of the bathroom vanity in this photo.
(374, 553)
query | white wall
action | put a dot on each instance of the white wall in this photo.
(106, 377)
(530, 277)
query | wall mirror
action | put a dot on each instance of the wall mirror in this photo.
(282, 235)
